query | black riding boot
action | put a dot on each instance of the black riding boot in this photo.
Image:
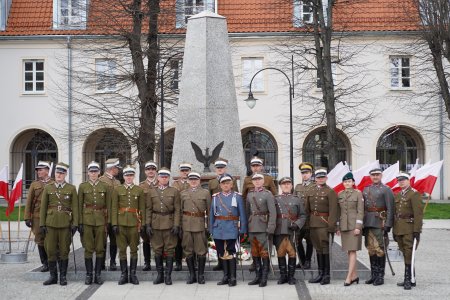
(169, 267)
(133, 266)
(226, 272)
(89, 269)
(265, 272)
(190, 263)
(44, 258)
(258, 271)
(319, 276)
(402, 283)
(201, 269)
(160, 269)
(218, 267)
(147, 255)
(283, 270)
(112, 260)
(408, 284)
(309, 252)
(301, 255)
(98, 270)
(373, 267)
(63, 271)
(124, 269)
(381, 264)
(291, 271)
(178, 256)
(232, 271)
(326, 269)
(53, 279)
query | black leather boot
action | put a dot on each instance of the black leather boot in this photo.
(112, 260)
(408, 284)
(133, 266)
(124, 272)
(201, 269)
(252, 267)
(44, 258)
(265, 271)
(147, 251)
(178, 257)
(301, 255)
(326, 269)
(218, 267)
(190, 263)
(373, 266)
(309, 253)
(402, 283)
(160, 269)
(258, 271)
(283, 270)
(89, 269)
(291, 271)
(98, 270)
(63, 271)
(169, 267)
(381, 264)
(307, 265)
(319, 276)
(226, 272)
(232, 271)
(53, 279)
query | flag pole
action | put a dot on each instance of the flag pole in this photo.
(9, 233)
(426, 203)
(18, 219)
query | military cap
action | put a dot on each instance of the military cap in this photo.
(348, 176)
(284, 180)
(42, 165)
(256, 161)
(257, 176)
(225, 177)
(151, 164)
(376, 171)
(221, 163)
(194, 175)
(112, 162)
(305, 167)
(61, 167)
(164, 172)
(128, 170)
(93, 166)
(320, 173)
(184, 166)
(403, 176)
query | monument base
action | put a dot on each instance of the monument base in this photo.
(14, 258)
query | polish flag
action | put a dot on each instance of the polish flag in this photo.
(4, 183)
(16, 191)
(362, 177)
(390, 175)
(335, 176)
(414, 170)
(426, 177)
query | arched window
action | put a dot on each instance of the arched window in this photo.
(400, 143)
(103, 144)
(259, 142)
(29, 147)
(314, 148)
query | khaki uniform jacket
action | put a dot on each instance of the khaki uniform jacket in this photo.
(195, 201)
(322, 200)
(164, 209)
(146, 186)
(94, 200)
(378, 196)
(408, 212)
(181, 185)
(59, 208)
(214, 186)
(112, 183)
(302, 190)
(289, 210)
(269, 184)
(261, 211)
(128, 197)
(350, 210)
(33, 206)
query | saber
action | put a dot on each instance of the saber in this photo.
(28, 242)
(413, 276)
(331, 237)
(73, 251)
(296, 254)
(238, 242)
(270, 256)
(386, 253)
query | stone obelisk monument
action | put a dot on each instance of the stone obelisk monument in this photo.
(207, 109)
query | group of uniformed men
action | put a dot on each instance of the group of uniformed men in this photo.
(184, 215)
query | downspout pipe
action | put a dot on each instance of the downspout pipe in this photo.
(69, 105)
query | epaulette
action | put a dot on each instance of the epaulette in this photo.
(142, 182)
(237, 193)
(216, 194)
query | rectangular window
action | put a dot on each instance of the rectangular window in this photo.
(303, 13)
(105, 70)
(175, 70)
(187, 8)
(400, 69)
(69, 14)
(33, 76)
(2, 15)
(251, 65)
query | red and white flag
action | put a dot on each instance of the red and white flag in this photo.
(335, 176)
(4, 183)
(390, 175)
(413, 171)
(426, 177)
(362, 176)
(16, 191)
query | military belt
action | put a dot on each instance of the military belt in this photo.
(319, 214)
(129, 209)
(227, 218)
(194, 214)
(260, 213)
(94, 206)
(286, 216)
(376, 209)
(163, 213)
(404, 216)
(60, 208)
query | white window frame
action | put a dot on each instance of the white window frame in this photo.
(398, 74)
(34, 73)
(105, 70)
(181, 8)
(299, 14)
(258, 84)
(76, 17)
(2, 15)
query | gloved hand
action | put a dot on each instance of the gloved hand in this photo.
(149, 231)
(73, 229)
(29, 223)
(175, 230)
(293, 226)
(416, 235)
(387, 229)
(81, 229)
(115, 229)
(44, 230)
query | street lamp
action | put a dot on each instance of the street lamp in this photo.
(161, 142)
(251, 102)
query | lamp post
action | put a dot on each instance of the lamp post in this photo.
(251, 102)
(161, 80)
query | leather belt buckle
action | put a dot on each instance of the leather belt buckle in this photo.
(59, 207)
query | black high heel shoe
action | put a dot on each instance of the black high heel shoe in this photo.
(351, 282)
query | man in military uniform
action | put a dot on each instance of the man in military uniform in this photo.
(58, 222)
(181, 184)
(226, 221)
(408, 224)
(109, 177)
(378, 220)
(163, 224)
(149, 183)
(32, 209)
(94, 199)
(262, 215)
(291, 217)
(321, 206)
(195, 205)
(127, 217)
(220, 166)
(301, 190)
